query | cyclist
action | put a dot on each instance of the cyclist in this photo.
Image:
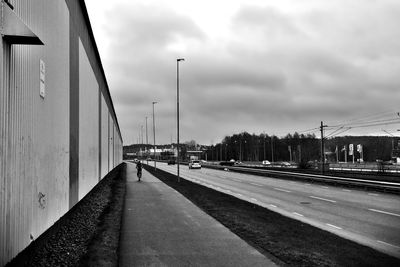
(139, 169)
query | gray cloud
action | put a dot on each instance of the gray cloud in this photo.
(277, 72)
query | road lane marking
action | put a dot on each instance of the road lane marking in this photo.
(272, 206)
(325, 187)
(283, 190)
(256, 184)
(334, 226)
(346, 190)
(253, 199)
(387, 244)
(298, 214)
(373, 194)
(385, 212)
(324, 199)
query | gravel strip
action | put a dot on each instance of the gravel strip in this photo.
(67, 241)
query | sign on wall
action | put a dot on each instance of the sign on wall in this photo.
(42, 79)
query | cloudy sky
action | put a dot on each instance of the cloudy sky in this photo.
(256, 66)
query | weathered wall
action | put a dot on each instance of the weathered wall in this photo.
(104, 138)
(88, 125)
(34, 143)
(53, 149)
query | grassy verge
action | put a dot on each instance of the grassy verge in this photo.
(290, 241)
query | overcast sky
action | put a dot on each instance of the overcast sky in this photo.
(257, 66)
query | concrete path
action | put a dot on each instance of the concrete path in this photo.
(160, 227)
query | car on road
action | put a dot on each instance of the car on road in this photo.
(194, 164)
(266, 162)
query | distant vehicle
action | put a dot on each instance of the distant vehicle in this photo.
(285, 164)
(171, 162)
(266, 162)
(194, 164)
(238, 162)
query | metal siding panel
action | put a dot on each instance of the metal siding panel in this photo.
(24, 118)
(110, 143)
(88, 125)
(104, 137)
(36, 133)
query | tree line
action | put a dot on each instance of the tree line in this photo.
(300, 148)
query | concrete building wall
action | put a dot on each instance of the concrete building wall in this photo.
(56, 146)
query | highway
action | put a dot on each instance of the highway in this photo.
(369, 218)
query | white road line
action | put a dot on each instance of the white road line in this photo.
(334, 226)
(283, 190)
(385, 212)
(387, 244)
(253, 199)
(346, 190)
(298, 214)
(373, 194)
(272, 205)
(324, 199)
(256, 184)
(325, 187)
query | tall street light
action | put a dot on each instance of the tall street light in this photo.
(147, 142)
(154, 136)
(177, 112)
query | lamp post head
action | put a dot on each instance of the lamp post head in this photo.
(154, 103)
(180, 59)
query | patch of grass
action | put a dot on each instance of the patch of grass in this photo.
(290, 241)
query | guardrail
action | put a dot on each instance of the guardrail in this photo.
(366, 183)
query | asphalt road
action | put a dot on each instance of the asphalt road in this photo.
(369, 218)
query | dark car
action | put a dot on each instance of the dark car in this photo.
(171, 162)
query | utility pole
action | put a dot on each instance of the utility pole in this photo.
(322, 147)
(177, 115)
(147, 142)
(154, 137)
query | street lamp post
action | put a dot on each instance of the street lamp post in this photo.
(154, 138)
(147, 142)
(177, 113)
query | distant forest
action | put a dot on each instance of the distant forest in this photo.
(297, 147)
(300, 147)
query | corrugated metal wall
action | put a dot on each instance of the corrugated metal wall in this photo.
(88, 125)
(34, 145)
(35, 155)
(104, 138)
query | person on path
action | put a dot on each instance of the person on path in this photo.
(139, 169)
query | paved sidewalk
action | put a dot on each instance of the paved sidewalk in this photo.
(160, 227)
